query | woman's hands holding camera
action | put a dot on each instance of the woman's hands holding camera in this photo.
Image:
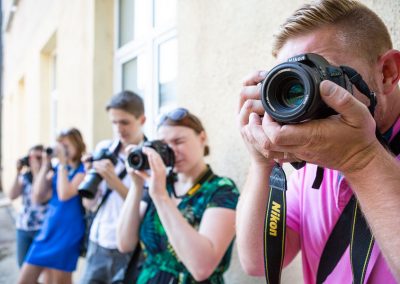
(137, 179)
(156, 177)
(60, 151)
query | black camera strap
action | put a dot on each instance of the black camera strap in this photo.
(203, 178)
(275, 226)
(351, 228)
(361, 240)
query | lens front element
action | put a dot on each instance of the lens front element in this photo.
(294, 96)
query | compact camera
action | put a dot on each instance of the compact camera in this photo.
(88, 187)
(290, 91)
(138, 160)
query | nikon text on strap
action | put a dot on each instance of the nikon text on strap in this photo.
(275, 226)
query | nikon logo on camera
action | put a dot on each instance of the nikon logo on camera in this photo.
(297, 58)
(274, 219)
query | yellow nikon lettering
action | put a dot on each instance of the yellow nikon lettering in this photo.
(274, 219)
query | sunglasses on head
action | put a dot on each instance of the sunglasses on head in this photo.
(174, 115)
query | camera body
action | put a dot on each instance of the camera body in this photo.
(290, 91)
(138, 160)
(88, 187)
(24, 161)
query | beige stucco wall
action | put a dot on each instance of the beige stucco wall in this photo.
(81, 34)
(219, 43)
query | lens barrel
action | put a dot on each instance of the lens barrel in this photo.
(290, 91)
(88, 187)
(138, 160)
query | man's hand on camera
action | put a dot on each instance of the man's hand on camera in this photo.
(87, 161)
(252, 119)
(345, 142)
(106, 170)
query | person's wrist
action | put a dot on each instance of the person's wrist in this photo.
(360, 164)
(262, 164)
(62, 167)
(159, 197)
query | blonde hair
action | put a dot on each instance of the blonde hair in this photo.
(360, 29)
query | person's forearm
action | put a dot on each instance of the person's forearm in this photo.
(16, 188)
(65, 189)
(250, 219)
(117, 185)
(193, 249)
(129, 221)
(377, 187)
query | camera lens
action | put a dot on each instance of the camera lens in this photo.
(294, 97)
(287, 92)
(135, 160)
(49, 151)
(89, 186)
(138, 160)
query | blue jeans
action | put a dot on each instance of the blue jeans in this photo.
(102, 264)
(24, 241)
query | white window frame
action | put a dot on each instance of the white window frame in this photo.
(146, 46)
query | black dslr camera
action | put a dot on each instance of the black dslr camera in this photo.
(290, 92)
(24, 161)
(88, 187)
(138, 160)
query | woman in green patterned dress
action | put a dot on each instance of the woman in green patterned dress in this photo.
(186, 229)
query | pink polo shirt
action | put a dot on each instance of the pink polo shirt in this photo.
(313, 213)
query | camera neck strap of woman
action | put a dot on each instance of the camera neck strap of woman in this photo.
(203, 178)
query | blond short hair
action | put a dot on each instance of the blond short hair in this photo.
(361, 30)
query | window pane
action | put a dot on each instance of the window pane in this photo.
(133, 75)
(132, 20)
(140, 18)
(167, 71)
(164, 12)
(126, 20)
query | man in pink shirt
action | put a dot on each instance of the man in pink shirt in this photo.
(344, 32)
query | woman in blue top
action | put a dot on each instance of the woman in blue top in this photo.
(56, 248)
(30, 216)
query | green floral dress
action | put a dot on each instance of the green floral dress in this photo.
(161, 264)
